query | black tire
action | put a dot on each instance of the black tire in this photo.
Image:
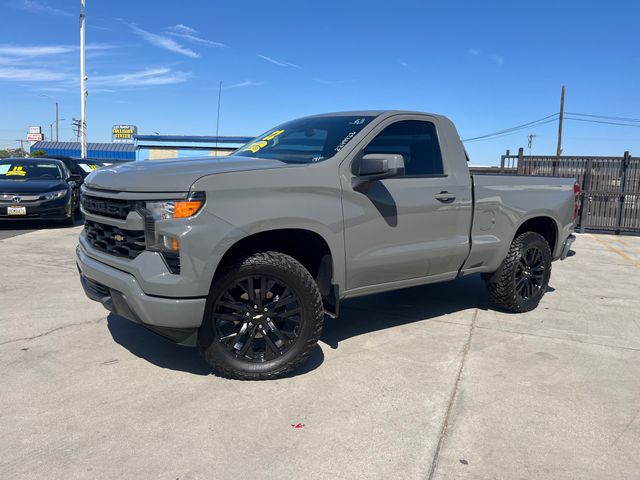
(286, 336)
(521, 281)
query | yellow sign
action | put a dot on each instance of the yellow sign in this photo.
(17, 170)
(123, 133)
(256, 146)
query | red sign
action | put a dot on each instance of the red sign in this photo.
(35, 137)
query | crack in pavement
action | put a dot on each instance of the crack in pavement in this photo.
(44, 334)
(454, 393)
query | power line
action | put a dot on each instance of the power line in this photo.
(602, 121)
(534, 123)
(606, 117)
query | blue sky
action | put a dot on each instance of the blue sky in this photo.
(488, 65)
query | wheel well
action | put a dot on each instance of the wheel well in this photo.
(309, 248)
(545, 226)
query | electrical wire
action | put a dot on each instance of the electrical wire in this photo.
(602, 121)
(606, 117)
(534, 123)
(517, 128)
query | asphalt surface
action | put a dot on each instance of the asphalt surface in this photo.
(425, 383)
(14, 228)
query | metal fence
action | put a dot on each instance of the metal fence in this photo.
(610, 186)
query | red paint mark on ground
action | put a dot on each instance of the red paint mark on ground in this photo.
(297, 425)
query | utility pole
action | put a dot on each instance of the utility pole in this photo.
(559, 150)
(57, 122)
(530, 144)
(83, 86)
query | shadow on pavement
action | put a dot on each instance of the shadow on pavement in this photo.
(152, 347)
(363, 315)
(358, 316)
(159, 351)
(13, 228)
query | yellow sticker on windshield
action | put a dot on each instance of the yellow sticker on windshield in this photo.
(256, 146)
(93, 166)
(17, 170)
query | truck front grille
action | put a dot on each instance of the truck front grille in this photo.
(114, 240)
(107, 207)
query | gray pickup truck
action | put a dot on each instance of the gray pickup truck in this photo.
(244, 255)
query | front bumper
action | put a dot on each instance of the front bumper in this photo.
(119, 292)
(38, 211)
(567, 246)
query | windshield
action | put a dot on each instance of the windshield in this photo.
(29, 170)
(306, 140)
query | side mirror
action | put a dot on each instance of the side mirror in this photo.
(376, 166)
(75, 177)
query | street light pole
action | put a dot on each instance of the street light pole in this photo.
(57, 116)
(83, 86)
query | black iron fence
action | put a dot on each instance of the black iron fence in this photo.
(610, 186)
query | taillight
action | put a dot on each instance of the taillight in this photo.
(576, 200)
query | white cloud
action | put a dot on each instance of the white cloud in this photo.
(163, 42)
(197, 40)
(31, 74)
(246, 83)
(34, 51)
(190, 35)
(403, 63)
(34, 6)
(147, 77)
(474, 51)
(278, 62)
(181, 28)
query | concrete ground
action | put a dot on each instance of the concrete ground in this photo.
(424, 383)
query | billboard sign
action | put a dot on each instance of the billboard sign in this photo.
(35, 137)
(123, 133)
(37, 129)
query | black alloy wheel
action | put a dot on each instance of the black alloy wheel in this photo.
(263, 317)
(530, 273)
(258, 318)
(522, 279)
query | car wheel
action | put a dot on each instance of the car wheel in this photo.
(263, 318)
(522, 279)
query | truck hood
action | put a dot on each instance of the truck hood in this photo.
(174, 175)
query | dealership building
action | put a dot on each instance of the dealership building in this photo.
(127, 145)
(148, 147)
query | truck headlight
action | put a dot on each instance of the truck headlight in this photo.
(54, 195)
(169, 209)
(157, 211)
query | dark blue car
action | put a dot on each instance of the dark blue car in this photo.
(38, 188)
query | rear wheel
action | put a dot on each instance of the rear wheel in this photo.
(522, 279)
(263, 318)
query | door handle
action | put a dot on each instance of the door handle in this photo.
(445, 197)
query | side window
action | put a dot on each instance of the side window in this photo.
(416, 141)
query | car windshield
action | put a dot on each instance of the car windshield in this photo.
(29, 170)
(306, 140)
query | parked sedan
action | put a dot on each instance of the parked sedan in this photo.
(79, 166)
(38, 188)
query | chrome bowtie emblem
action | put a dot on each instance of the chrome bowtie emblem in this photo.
(118, 238)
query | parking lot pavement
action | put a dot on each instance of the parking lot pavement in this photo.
(13, 228)
(428, 382)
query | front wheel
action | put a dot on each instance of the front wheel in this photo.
(522, 279)
(263, 318)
